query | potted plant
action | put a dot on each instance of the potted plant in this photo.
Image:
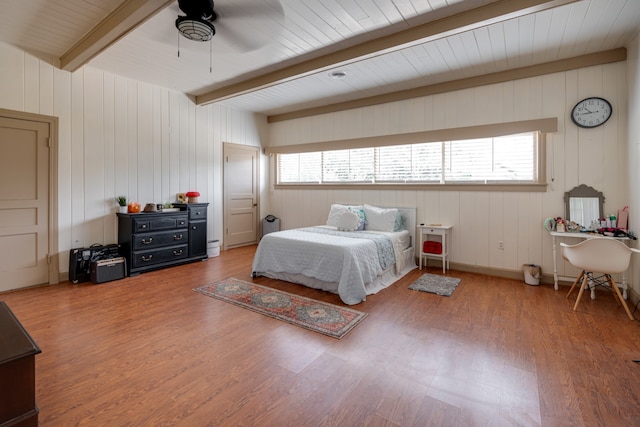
(122, 204)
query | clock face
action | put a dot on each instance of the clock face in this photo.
(591, 112)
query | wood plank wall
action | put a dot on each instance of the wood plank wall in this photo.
(596, 157)
(119, 136)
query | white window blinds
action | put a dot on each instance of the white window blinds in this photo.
(503, 159)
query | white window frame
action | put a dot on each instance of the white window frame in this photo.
(539, 128)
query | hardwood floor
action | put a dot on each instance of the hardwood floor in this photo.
(149, 351)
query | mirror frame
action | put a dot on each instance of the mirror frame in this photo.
(582, 191)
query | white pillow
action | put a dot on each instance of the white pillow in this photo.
(336, 211)
(334, 214)
(380, 219)
(348, 221)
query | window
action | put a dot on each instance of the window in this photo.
(511, 159)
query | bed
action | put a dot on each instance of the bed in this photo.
(350, 257)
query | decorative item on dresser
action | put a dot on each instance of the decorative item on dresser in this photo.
(122, 203)
(192, 196)
(154, 240)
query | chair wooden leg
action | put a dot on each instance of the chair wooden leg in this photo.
(613, 292)
(585, 279)
(615, 289)
(575, 283)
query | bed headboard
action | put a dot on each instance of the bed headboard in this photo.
(410, 214)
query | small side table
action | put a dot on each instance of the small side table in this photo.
(437, 230)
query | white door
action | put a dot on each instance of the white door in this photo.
(24, 203)
(240, 195)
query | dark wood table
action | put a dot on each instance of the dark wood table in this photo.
(17, 372)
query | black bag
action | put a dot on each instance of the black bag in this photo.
(80, 260)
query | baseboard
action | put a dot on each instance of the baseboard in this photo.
(496, 272)
(633, 296)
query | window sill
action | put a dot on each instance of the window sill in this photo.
(520, 187)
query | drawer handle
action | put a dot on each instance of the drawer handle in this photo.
(143, 226)
(198, 213)
(176, 253)
(176, 237)
(147, 259)
(147, 242)
(181, 223)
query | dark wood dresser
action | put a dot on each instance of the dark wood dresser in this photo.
(153, 240)
(17, 372)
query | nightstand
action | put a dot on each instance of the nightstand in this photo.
(424, 231)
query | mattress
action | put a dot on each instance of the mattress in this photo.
(350, 264)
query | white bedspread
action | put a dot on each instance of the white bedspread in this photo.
(349, 262)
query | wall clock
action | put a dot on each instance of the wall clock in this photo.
(591, 112)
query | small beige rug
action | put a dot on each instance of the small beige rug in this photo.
(439, 285)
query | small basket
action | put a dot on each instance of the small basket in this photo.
(432, 247)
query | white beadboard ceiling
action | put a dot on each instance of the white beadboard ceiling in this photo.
(274, 56)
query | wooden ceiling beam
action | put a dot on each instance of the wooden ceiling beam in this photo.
(124, 19)
(465, 21)
(588, 60)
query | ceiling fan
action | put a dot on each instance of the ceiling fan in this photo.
(198, 23)
(244, 24)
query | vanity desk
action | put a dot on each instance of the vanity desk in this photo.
(583, 205)
(555, 235)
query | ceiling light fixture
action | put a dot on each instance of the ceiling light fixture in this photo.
(338, 75)
(194, 28)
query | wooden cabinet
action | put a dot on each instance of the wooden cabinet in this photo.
(17, 372)
(197, 214)
(153, 240)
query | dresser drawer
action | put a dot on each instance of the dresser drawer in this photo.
(159, 223)
(436, 231)
(144, 241)
(159, 256)
(197, 212)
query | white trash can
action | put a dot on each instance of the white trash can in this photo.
(213, 248)
(532, 274)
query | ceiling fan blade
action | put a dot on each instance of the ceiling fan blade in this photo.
(197, 8)
(240, 25)
(252, 9)
(247, 25)
(232, 38)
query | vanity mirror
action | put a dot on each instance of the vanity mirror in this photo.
(583, 205)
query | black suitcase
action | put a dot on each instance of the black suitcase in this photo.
(80, 260)
(107, 270)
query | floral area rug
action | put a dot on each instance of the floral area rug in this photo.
(318, 316)
(439, 285)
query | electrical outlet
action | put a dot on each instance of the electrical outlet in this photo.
(501, 245)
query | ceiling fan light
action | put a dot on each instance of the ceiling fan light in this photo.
(195, 28)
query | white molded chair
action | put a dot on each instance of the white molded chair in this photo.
(603, 255)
